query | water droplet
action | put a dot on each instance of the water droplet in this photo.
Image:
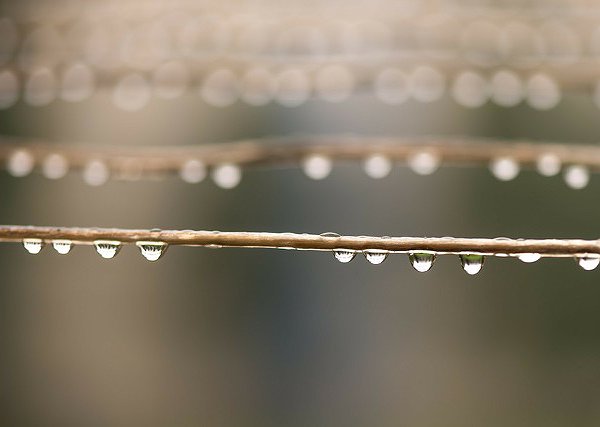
(40, 88)
(423, 163)
(344, 255)
(576, 177)
(193, 171)
(375, 257)
(55, 166)
(378, 166)
(543, 93)
(471, 263)
(504, 168)
(421, 261)
(63, 247)
(20, 163)
(152, 251)
(107, 249)
(132, 92)
(258, 86)
(529, 257)
(77, 83)
(329, 234)
(227, 175)
(292, 87)
(96, 173)
(548, 164)
(588, 261)
(317, 167)
(220, 88)
(470, 89)
(33, 246)
(507, 88)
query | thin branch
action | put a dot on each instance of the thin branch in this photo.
(324, 242)
(280, 152)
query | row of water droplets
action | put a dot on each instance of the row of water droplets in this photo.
(107, 249)
(228, 175)
(290, 87)
(472, 263)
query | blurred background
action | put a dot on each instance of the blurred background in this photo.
(240, 337)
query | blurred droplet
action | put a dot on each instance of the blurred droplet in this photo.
(78, 83)
(529, 257)
(470, 89)
(576, 176)
(9, 89)
(543, 92)
(63, 247)
(317, 166)
(227, 175)
(96, 173)
(507, 88)
(132, 93)
(548, 164)
(334, 83)
(391, 86)
(377, 166)
(421, 261)
(192, 171)
(471, 263)
(170, 80)
(423, 163)
(505, 168)
(220, 88)
(33, 246)
(258, 86)
(40, 88)
(292, 87)
(55, 166)
(344, 255)
(152, 251)
(588, 261)
(20, 163)
(426, 84)
(107, 249)
(375, 257)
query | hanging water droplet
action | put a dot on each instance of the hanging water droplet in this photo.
(529, 257)
(377, 166)
(20, 163)
(577, 177)
(33, 246)
(227, 175)
(107, 249)
(316, 166)
(421, 261)
(375, 257)
(548, 164)
(152, 251)
(424, 163)
(471, 263)
(504, 168)
(55, 166)
(63, 247)
(588, 261)
(344, 255)
(192, 171)
(96, 173)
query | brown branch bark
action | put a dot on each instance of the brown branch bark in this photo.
(291, 151)
(546, 247)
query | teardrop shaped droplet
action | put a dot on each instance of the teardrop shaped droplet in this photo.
(152, 251)
(421, 261)
(33, 246)
(471, 263)
(107, 249)
(63, 247)
(344, 255)
(375, 257)
(588, 261)
(529, 257)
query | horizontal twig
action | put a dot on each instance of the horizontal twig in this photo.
(323, 242)
(281, 152)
